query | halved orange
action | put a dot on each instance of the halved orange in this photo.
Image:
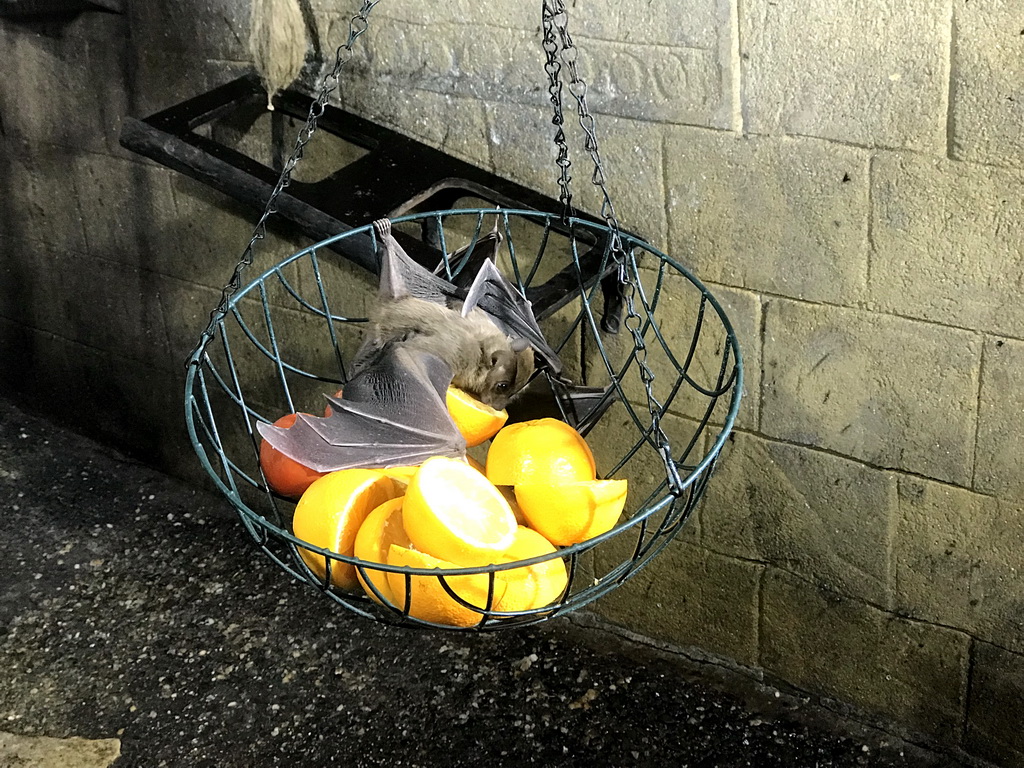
(284, 474)
(330, 513)
(429, 600)
(453, 513)
(476, 421)
(572, 512)
(540, 451)
(381, 528)
(531, 586)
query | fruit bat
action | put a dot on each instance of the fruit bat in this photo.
(424, 334)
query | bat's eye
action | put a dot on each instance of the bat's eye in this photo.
(502, 386)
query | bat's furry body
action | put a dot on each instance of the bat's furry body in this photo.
(484, 361)
(424, 334)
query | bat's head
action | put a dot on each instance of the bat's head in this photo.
(510, 368)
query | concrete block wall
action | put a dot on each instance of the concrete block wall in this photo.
(845, 175)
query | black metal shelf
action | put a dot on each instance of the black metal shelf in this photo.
(397, 175)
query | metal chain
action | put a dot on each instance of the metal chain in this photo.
(357, 25)
(553, 67)
(557, 42)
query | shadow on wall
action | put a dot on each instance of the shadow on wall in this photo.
(86, 231)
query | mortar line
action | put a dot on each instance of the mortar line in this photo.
(759, 597)
(763, 330)
(829, 588)
(977, 412)
(835, 454)
(867, 464)
(665, 196)
(818, 586)
(853, 308)
(965, 690)
(737, 68)
(870, 233)
(766, 564)
(489, 128)
(891, 586)
(101, 351)
(950, 94)
(577, 36)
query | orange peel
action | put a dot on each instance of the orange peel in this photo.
(429, 601)
(542, 451)
(330, 514)
(572, 512)
(476, 421)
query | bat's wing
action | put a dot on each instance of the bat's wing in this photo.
(467, 260)
(393, 414)
(400, 276)
(512, 312)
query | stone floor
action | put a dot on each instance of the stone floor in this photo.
(132, 609)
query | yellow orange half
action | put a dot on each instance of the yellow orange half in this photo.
(429, 601)
(381, 528)
(572, 512)
(476, 421)
(330, 513)
(543, 451)
(453, 513)
(531, 586)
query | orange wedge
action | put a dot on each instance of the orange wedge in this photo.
(543, 451)
(531, 586)
(453, 513)
(330, 513)
(475, 420)
(429, 600)
(381, 528)
(572, 512)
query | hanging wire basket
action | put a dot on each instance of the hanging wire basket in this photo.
(285, 340)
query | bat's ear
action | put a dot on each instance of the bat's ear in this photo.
(525, 366)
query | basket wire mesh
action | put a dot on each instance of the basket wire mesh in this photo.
(284, 340)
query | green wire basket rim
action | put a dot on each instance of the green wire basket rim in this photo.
(641, 515)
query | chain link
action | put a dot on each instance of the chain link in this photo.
(357, 25)
(558, 44)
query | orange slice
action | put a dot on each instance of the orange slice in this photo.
(453, 513)
(476, 421)
(330, 513)
(531, 586)
(429, 600)
(381, 528)
(540, 451)
(572, 512)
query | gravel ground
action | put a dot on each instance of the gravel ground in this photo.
(131, 606)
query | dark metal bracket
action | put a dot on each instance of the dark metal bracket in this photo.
(397, 175)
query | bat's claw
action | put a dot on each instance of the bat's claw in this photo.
(383, 228)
